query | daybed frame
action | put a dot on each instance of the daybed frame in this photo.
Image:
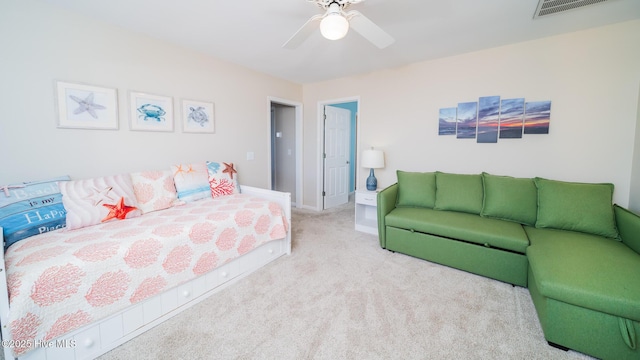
(97, 338)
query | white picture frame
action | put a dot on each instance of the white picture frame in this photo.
(149, 112)
(198, 116)
(82, 106)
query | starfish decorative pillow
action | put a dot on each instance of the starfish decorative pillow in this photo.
(94, 201)
(223, 179)
(191, 181)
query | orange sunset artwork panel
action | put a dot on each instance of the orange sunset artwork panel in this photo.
(537, 115)
(511, 118)
(488, 119)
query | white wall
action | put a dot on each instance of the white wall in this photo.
(40, 43)
(591, 77)
(634, 201)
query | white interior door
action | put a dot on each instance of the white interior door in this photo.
(336, 156)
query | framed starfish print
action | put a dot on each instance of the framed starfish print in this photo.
(83, 106)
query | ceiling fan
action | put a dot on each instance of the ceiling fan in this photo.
(335, 23)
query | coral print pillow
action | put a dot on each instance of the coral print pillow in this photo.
(93, 201)
(191, 181)
(154, 190)
(223, 178)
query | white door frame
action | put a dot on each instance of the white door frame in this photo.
(320, 170)
(299, 134)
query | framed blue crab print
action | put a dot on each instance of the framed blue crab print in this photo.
(197, 117)
(83, 106)
(150, 112)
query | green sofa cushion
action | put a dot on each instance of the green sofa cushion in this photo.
(586, 270)
(461, 226)
(459, 192)
(628, 225)
(576, 206)
(416, 189)
(509, 198)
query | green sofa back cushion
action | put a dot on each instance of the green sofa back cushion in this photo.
(416, 189)
(459, 192)
(574, 206)
(510, 198)
(628, 224)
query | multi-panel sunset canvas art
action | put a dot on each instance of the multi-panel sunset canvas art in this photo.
(447, 121)
(467, 120)
(488, 119)
(492, 118)
(537, 117)
(511, 118)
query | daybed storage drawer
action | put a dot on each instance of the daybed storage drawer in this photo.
(55, 349)
(191, 290)
(256, 258)
(82, 345)
(87, 342)
(222, 274)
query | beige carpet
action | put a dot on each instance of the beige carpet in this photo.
(340, 296)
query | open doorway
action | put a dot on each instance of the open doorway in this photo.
(285, 158)
(339, 130)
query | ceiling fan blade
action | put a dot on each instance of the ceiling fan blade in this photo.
(303, 33)
(369, 30)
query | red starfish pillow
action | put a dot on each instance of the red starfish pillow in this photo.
(93, 201)
(223, 178)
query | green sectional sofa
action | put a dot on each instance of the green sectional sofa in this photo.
(578, 253)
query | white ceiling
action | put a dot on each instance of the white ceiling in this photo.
(251, 32)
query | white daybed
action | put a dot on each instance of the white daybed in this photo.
(106, 333)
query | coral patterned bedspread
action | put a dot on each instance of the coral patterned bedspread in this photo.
(62, 280)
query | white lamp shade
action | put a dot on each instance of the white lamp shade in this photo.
(373, 159)
(334, 26)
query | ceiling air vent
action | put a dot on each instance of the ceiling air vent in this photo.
(549, 7)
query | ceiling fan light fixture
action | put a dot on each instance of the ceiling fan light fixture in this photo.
(334, 26)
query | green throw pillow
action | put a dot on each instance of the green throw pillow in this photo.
(416, 189)
(459, 192)
(509, 198)
(576, 206)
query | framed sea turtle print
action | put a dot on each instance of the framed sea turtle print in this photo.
(149, 112)
(197, 116)
(82, 106)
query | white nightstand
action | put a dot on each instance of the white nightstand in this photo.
(367, 211)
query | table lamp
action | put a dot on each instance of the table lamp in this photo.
(373, 159)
